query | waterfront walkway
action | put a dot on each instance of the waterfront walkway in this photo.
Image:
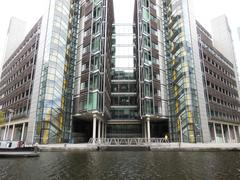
(154, 144)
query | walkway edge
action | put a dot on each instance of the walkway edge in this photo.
(170, 147)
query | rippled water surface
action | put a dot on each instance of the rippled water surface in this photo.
(109, 165)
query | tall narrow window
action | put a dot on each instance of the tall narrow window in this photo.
(146, 28)
(96, 44)
(148, 89)
(146, 56)
(96, 27)
(146, 42)
(97, 12)
(96, 62)
(145, 3)
(147, 73)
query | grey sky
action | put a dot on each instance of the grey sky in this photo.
(205, 10)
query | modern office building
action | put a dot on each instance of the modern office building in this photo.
(159, 75)
(16, 86)
(52, 108)
(222, 37)
(221, 92)
(15, 35)
(150, 68)
(187, 109)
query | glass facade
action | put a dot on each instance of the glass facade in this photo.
(183, 102)
(123, 87)
(135, 78)
(55, 99)
(147, 52)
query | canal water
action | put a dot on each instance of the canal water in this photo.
(112, 165)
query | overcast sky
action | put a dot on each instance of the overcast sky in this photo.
(205, 10)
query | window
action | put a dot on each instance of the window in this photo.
(148, 109)
(93, 101)
(83, 105)
(146, 27)
(146, 41)
(84, 85)
(148, 89)
(97, 12)
(96, 1)
(96, 44)
(96, 62)
(146, 56)
(147, 73)
(146, 15)
(145, 3)
(95, 81)
(96, 27)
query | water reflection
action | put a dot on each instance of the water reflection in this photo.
(123, 165)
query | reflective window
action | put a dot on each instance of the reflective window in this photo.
(124, 114)
(145, 3)
(97, 27)
(147, 73)
(96, 62)
(95, 81)
(97, 11)
(96, 44)
(146, 27)
(146, 42)
(146, 15)
(148, 109)
(148, 89)
(93, 101)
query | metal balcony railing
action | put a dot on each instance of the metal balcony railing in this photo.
(127, 141)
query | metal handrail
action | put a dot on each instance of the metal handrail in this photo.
(128, 141)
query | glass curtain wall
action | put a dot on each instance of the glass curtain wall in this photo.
(147, 51)
(123, 88)
(98, 99)
(184, 109)
(145, 60)
(55, 101)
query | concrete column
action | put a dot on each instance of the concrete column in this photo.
(235, 134)
(223, 133)
(229, 134)
(103, 124)
(5, 133)
(238, 133)
(215, 134)
(94, 129)
(148, 128)
(22, 134)
(145, 130)
(99, 129)
(13, 128)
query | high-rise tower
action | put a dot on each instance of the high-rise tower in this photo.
(93, 70)
(159, 74)
(150, 68)
(187, 106)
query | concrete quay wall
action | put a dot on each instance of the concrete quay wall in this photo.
(153, 147)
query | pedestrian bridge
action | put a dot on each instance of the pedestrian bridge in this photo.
(127, 142)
